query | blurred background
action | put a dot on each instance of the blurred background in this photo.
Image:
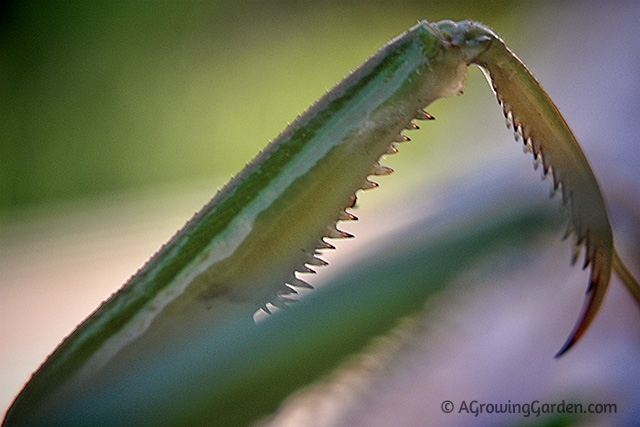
(119, 120)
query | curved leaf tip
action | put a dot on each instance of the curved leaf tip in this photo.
(536, 119)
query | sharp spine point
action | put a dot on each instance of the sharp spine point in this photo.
(367, 185)
(590, 253)
(402, 138)
(423, 115)
(316, 261)
(392, 149)
(264, 308)
(378, 170)
(285, 289)
(568, 231)
(300, 283)
(575, 255)
(346, 216)
(326, 245)
(334, 233)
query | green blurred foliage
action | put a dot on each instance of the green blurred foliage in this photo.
(99, 97)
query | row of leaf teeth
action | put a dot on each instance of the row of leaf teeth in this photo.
(530, 145)
(283, 295)
(540, 158)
